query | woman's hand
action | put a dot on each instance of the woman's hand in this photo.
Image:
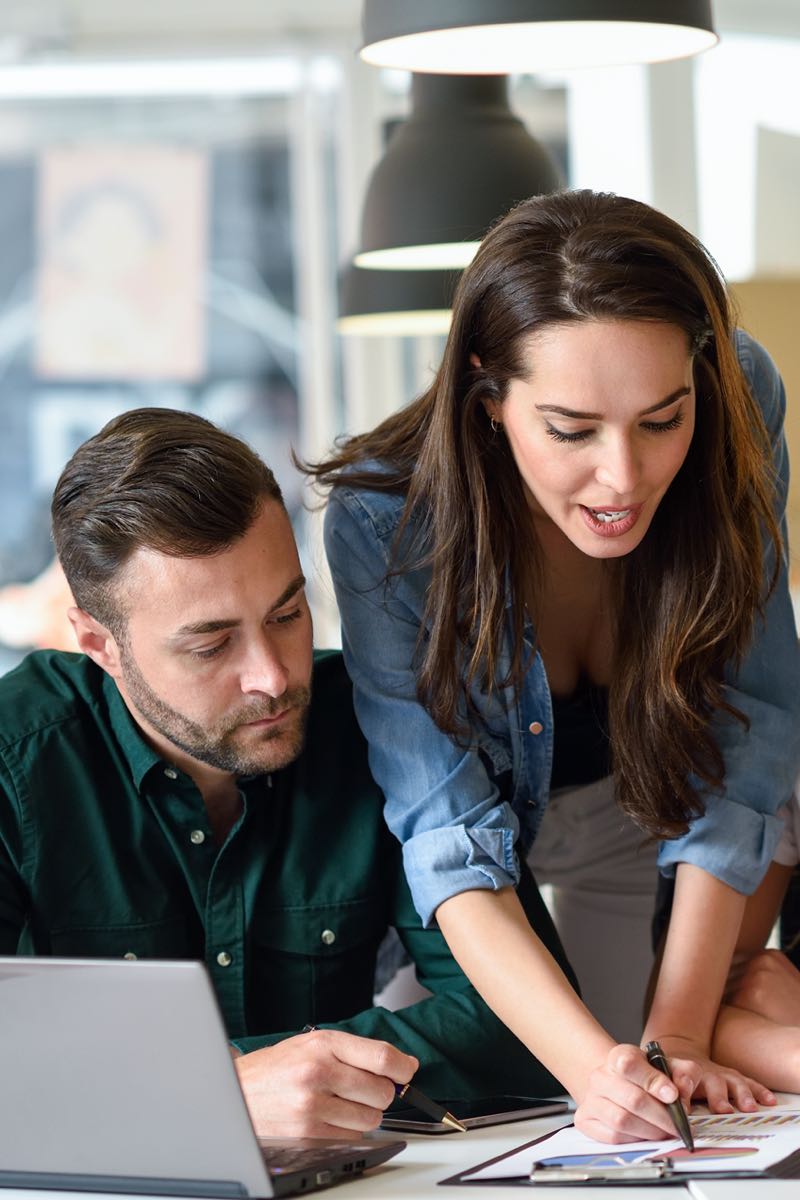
(626, 1100)
(698, 1077)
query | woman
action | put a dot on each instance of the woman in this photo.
(586, 496)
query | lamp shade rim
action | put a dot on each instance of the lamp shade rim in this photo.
(501, 36)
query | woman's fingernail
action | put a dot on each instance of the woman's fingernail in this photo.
(667, 1094)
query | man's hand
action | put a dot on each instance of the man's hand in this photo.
(321, 1084)
(626, 1100)
(770, 986)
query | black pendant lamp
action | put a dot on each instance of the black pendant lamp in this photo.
(458, 164)
(515, 36)
(396, 303)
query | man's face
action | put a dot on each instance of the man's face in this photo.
(216, 655)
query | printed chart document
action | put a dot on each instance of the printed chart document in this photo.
(720, 1189)
(736, 1142)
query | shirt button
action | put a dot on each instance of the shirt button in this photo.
(197, 837)
(535, 728)
(224, 959)
(170, 773)
(131, 957)
(328, 937)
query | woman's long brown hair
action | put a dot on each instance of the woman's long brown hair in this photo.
(687, 598)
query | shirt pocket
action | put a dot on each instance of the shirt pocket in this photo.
(313, 965)
(150, 939)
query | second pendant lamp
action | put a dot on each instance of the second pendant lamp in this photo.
(459, 162)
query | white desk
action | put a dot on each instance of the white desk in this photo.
(416, 1173)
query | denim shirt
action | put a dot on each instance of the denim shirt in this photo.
(463, 812)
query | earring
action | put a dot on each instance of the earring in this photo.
(496, 425)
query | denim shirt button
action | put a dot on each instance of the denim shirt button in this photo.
(535, 728)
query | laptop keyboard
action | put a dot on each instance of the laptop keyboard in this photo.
(298, 1158)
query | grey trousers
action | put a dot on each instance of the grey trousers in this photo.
(598, 876)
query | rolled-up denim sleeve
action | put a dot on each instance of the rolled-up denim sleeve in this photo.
(736, 837)
(440, 801)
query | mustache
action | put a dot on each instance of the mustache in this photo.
(271, 706)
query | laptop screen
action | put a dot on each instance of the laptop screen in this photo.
(121, 1070)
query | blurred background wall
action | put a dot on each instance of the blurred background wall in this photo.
(180, 181)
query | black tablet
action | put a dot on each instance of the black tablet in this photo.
(492, 1110)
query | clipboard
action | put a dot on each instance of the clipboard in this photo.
(633, 1174)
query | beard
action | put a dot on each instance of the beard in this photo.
(270, 749)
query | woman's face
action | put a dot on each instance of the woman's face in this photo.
(600, 427)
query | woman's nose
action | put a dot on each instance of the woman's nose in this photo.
(618, 467)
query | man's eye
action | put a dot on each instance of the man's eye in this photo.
(211, 651)
(286, 618)
(559, 436)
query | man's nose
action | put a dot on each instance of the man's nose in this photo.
(264, 670)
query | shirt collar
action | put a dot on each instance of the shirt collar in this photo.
(140, 757)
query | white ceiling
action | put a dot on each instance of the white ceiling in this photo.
(256, 26)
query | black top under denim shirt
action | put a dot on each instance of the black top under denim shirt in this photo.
(581, 748)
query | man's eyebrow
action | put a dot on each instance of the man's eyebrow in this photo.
(291, 589)
(678, 394)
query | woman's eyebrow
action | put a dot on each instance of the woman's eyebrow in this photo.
(593, 416)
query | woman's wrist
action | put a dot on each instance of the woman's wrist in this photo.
(589, 1050)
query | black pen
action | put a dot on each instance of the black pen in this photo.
(438, 1112)
(407, 1091)
(657, 1059)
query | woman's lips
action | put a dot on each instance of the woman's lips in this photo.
(611, 522)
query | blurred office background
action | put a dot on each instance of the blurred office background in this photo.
(181, 181)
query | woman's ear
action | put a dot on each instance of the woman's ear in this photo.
(491, 407)
(492, 410)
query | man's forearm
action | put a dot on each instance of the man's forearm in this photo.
(463, 1049)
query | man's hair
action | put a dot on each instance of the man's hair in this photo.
(152, 478)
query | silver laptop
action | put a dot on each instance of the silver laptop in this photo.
(117, 1077)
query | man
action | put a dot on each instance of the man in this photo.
(194, 785)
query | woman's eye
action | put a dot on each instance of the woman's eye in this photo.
(559, 436)
(664, 426)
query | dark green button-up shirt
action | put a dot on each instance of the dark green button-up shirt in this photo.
(106, 851)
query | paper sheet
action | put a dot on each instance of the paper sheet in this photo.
(736, 1141)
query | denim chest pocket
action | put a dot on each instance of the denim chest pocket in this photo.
(152, 939)
(314, 965)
